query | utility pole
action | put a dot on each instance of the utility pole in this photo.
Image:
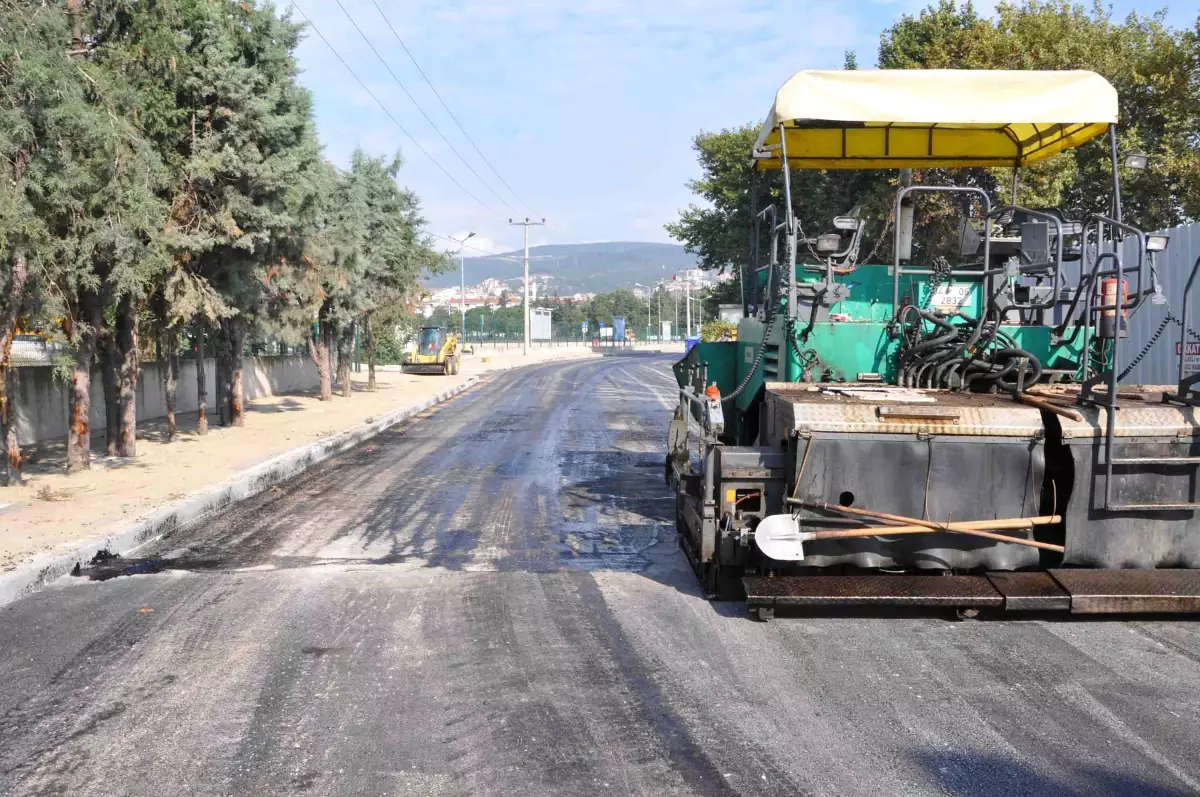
(526, 224)
(462, 281)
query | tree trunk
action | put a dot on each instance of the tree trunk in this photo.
(110, 377)
(172, 379)
(79, 438)
(319, 352)
(201, 384)
(8, 329)
(12, 449)
(369, 343)
(127, 350)
(73, 8)
(221, 354)
(345, 347)
(237, 342)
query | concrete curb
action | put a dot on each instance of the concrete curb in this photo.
(38, 572)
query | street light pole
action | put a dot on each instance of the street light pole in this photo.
(462, 281)
(687, 288)
(676, 297)
(658, 292)
(649, 299)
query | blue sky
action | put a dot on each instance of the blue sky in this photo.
(585, 107)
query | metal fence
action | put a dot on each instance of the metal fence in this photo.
(28, 350)
(1161, 365)
(32, 350)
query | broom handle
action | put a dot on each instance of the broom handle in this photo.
(974, 529)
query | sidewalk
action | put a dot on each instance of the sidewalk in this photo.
(52, 510)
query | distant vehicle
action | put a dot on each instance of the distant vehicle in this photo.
(436, 351)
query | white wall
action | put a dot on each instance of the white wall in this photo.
(42, 408)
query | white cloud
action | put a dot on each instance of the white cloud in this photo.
(475, 246)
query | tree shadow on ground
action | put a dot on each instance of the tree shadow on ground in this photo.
(276, 407)
(976, 774)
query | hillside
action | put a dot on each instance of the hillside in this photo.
(580, 268)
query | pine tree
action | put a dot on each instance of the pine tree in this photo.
(249, 151)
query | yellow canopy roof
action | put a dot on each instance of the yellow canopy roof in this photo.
(920, 118)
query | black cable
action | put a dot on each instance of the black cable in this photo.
(382, 107)
(447, 107)
(408, 94)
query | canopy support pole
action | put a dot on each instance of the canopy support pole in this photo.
(1112, 146)
(790, 259)
(755, 238)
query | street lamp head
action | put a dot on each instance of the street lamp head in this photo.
(469, 235)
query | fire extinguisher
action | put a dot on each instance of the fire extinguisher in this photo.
(1108, 327)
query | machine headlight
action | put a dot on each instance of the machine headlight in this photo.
(1157, 243)
(845, 223)
(1138, 161)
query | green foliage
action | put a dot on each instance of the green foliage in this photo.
(729, 292)
(605, 306)
(1152, 66)
(389, 348)
(167, 151)
(83, 181)
(720, 233)
(717, 329)
(566, 318)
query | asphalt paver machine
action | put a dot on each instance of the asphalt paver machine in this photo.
(938, 433)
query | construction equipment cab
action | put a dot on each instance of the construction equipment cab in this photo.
(435, 351)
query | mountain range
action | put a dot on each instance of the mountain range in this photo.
(578, 268)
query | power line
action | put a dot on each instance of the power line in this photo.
(456, 241)
(382, 107)
(408, 94)
(447, 107)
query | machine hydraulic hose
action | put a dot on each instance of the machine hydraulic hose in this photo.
(956, 351)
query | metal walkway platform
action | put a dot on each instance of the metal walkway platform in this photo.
(1076, 591)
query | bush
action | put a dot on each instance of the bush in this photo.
(718, 330)
(388, 349)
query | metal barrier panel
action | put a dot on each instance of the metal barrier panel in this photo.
(1161, 365)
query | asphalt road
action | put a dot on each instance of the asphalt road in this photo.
(489, 600)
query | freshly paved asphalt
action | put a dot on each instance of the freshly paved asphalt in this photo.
(489, 600)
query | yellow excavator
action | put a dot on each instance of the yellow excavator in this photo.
(435, 351)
